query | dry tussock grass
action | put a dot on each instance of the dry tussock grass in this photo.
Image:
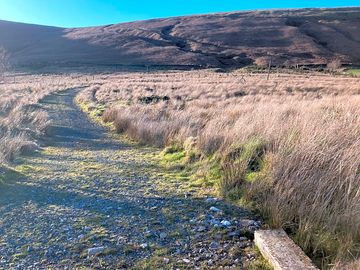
(290, 143)
(21, 120)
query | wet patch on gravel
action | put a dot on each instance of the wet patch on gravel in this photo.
(88, 200)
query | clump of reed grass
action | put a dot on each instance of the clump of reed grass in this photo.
(292, 151)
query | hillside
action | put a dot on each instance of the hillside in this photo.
(302, 36)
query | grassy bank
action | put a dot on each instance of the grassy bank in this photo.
(22, 120)
(291, 154)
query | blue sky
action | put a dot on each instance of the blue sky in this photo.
(76, 13)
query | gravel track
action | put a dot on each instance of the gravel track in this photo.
(89, 201)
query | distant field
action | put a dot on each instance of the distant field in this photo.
(287, 147)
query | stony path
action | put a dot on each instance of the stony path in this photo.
(89, 201)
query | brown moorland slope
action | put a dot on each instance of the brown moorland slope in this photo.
(297, 36)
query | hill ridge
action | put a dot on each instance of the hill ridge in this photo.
(228, 39)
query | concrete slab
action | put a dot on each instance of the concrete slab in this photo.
(282, 253)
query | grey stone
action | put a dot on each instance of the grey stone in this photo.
(234, 234)
(226, 223)
(201, 229)
(163, 235)
(95, 251)
(214, 245)
(247, 222)
(212, 200)
(215, 222)
(215, 209)
(144, 245)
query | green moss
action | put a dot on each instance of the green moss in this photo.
(214, 173)
(156, 261)
(7, 175)
(26, 169)
(99, 110)
(208, 173)
(354, 72)
(173, 156)
(260, 263)
(129, 248)
(168, 214)
(150, 264)
(88, 165)
(161, 252)
(50, 151)
(95, 234)
(323, 246)
(252, 176)
(192, 153)
(243, 164)
(235, 194)
(95, 112)
(19, 256)
(172, 149)
(251, 153)
(22, 254)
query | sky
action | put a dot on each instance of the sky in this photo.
(79, 13)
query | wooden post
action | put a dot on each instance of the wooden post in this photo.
(270, 63)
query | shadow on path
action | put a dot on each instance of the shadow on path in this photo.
(87, 190)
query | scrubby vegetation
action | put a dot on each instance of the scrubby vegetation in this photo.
(22, 120)
(287, 147)
(354, 72)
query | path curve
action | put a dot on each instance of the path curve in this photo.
(88, 200)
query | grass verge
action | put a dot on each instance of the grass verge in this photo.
(298, 170)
